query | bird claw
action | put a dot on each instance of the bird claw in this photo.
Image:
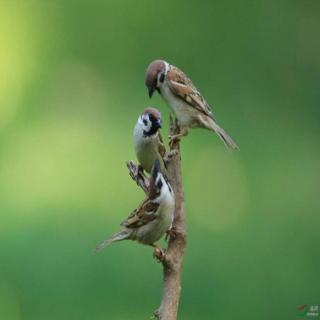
(173, 139)
(172, 233)
(177, 137)
(159, 254)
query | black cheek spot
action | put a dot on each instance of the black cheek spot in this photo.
(145, 122)
(161, 79)
(159, 184)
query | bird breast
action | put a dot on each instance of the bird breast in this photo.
(146, 151)
(154, 230)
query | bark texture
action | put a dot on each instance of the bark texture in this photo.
(173, 260)
(172, 264)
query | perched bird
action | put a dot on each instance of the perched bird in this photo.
(153, 218)
(147, 141)
(189, 106)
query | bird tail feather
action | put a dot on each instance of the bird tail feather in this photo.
(227, 140)
(115, 237)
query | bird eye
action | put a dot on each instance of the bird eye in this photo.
(145, 122)
(159, 184)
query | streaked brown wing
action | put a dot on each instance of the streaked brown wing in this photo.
(183, 87)
(145, 213)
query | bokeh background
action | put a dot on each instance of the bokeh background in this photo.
(71, 88)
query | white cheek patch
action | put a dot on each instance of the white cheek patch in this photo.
(148, 126)
(145, 127)
(167, 67)
(165, 194)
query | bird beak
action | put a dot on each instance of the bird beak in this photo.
(151, 91)
(159, 123)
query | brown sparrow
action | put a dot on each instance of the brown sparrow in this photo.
(189, 106)
(153, 217)
(147, 141)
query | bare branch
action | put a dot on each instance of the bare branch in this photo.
(172, 264)
(137, 175)
(173, 259)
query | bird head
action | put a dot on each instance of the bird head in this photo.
(159, 187)
(155, 76)
(150, 121)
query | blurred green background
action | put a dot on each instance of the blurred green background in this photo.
(71, 89)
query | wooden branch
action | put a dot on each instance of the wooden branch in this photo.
(138, 176)
(172, 264)
(173, 259)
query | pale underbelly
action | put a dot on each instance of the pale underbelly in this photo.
(146, 155)
(153, 231)
(186, 114)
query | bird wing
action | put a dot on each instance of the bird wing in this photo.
(181, 86)
(144, 214)
(162, 154)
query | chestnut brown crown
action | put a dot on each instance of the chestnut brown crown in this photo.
(152, 75)
(154, 112)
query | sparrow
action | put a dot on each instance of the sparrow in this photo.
(189, 106)
(147, 141)
(152, 218)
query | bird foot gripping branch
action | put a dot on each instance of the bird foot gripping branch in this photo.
(172, 233)
(159, 254)
(177, 137)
